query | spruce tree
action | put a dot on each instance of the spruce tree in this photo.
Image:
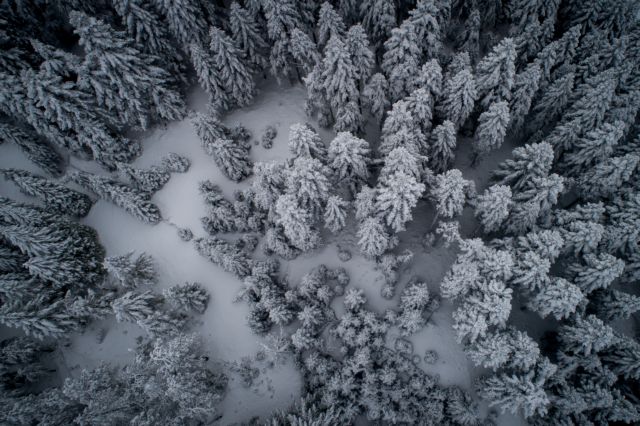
(246, 35)
(608, 177)
(424, 17)
(524, 90)
(552, 101)
(305, 142)
(401, 61)
(586, 335)
(396, 197)
(528, 162)
(558, 298)
(449, 193)
(35, 149)
(235, 78)
(492, 128)
(614, 304)
(146, 180)
(131, 200)
(227, 256)
(597, 272)
(349, 159)
(186, 18)
(308, 181)
(458, 97)
(378, 18)
(329, 24)
(375, 95)
(595, 147)
(373, 239)
(362, 57)
(303, 50)
(335, 213)
(230, 156)
(51, 193)
(132, 273)
(296, 222)
(441, 147)
(495, 73)
(209, 79)
(492, 207)
(469, 39)
(188, 296)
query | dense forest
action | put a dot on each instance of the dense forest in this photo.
(500, 134)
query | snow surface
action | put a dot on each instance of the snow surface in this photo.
(227, 337)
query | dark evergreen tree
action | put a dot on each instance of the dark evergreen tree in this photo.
(233, 74)
(34, 148)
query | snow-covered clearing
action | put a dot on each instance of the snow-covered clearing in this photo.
(223, 327)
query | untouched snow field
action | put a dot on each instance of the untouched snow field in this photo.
(226, 336)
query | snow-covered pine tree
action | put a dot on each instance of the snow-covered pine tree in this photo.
(349, 159)
(305, 142)
(373, 239)
(307, 180)
(267, 184)
(335, 213)
(186, 20)
(378, 18)
(121, 77)
(124, 196)
(375, 96)
(608, 177)
(329, 24)
(401, 130)
(442, 144)
(491, 130)
(233, 74)
(450, 192)
(597, 271)
(130, 272)
(35, 149)
(401, 61)
(246, 35)
(188, 296)
(230, 156)
(51, 193)
(458, 97)
(296, 222)
(525, 88)
(175, 163)
(148, 180)
(595, 147)
(357, 44)
(282, 17)
(586, 335)
(493, 206)
(528, 162)
(427, 27)
(209, 79)
(495, 73)
(613, 304)
(303, 50)
(396, 197)
(558, 298)
(469, 39)
(135, 306)
(420, 105)
(39, 321)
(229, 257)
(552, 101)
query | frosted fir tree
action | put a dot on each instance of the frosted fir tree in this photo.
(365, 203)
(56, 61)
(530, 272)
(187, 296)
(458, 97)
(525, 88)
(335, 213)
(135, 306)
(491, 130)
(303, 50)
(424, 18)
(430, 78)
(276, 242)
(586, 335)
(612, 305)
(305, 142)
(538, 199)
(450, 192)
(308, 181)
(208, 77)
(493, 206)
(414, 301)
(131, 200)
(130, 272)
(175, 163)
(373, 239)
(296, 223)
(515, 392)
(247, 37)
(349, 159)
(378, 18)
(608, 177)
(622, 228)
(53, 194)
(582, 237)
(329, 24)
(461, 407)
(595, 147)
(597, 272)
(282, 17)
(71, 109)
(163, 325)
(148, 180)
(495, 73)
(420, 105)
(401, 130)
(231, 157)
(39, 322)
(121, 76)
(623, 358)
(395, 199)
(528, 162)
(35, 149)
(362, 57)
(235, 77)
(401, 61)
(505, 348)
(267, 184)
(550, 104)
(469, 39)
(442, 144)
(375, 96)
(558, 298)
(227, 256)
(185, 19)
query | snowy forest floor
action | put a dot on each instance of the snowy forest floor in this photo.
(223, 326)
